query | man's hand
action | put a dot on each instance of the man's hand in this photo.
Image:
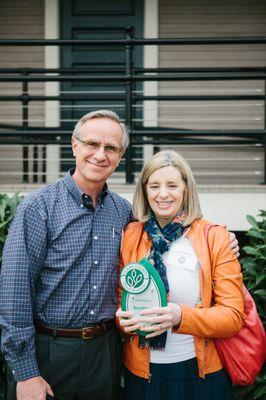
(233, 243)
(33, 389)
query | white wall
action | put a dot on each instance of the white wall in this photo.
(228, 205)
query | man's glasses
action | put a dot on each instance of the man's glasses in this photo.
(95, 146)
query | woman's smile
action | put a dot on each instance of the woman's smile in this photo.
(165, 193)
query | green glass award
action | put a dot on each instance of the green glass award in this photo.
(143, 288)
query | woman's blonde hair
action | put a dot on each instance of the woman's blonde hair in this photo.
(166, 158)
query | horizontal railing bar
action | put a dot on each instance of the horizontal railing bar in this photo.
(86, 96)
(181, 76)
(133, 41)
(177, 141)
(30, 70)
(151, 132)
(29, 98)
(195, 69)
(201, 97)
(24, 97)
(156, 132)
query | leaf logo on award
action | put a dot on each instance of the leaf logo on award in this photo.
(134, 278)
(142, 288)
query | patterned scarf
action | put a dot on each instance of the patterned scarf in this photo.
(161, 241)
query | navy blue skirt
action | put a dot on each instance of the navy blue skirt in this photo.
(178, 381)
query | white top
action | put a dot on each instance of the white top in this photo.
(184, 288)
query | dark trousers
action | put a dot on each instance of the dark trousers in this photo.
(78, 369)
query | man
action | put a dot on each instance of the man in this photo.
(59, 275)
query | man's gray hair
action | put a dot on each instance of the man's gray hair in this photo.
(103, 114)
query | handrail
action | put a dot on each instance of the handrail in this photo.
(129, 76)
(132, 41)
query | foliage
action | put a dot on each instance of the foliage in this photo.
(254, 272)
(8, 207)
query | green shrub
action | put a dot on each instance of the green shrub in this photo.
(8, 207)
(254, 272)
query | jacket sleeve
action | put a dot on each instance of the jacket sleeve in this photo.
(24, 251)
(224, 317)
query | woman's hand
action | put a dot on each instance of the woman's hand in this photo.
(127, 321)
(160, 319)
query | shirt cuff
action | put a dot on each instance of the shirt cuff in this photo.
(24, 368)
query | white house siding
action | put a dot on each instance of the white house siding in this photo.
(219, 18)
(19, 20)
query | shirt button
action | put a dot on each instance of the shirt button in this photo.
(95, 237)
(94, 287)
(96, 262)
(102, 205)
(92, 312)
(81, 205)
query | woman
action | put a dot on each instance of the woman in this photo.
(178, 359)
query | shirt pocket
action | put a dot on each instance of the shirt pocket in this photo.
(116, 238)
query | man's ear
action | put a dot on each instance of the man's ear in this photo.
(119, 161)
(74, 145)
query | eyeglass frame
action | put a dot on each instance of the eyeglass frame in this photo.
(86, 143)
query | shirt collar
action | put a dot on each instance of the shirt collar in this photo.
(76, 191)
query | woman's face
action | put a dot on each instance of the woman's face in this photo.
(165, 193)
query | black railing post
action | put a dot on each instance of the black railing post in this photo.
(43, 164)
(25, 124)
(128, 107)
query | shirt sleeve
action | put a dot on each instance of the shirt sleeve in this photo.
(24, 251)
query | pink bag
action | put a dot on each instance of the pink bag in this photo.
(243, 354)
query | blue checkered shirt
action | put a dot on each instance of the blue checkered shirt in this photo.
(60, 266)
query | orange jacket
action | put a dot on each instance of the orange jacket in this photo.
(220, 280)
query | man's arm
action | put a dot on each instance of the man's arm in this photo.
(24, 251)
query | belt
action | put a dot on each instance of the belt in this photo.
(88, 332)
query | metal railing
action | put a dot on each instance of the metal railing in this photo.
(26, 135)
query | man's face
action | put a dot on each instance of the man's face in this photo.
(98, 152)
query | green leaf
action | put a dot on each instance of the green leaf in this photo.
(6, 222)
(252, 221)
(260, 279)
(259, 234)
(261, 293)
(251, 268)
(259, 392)
(262, 213)
(250, 250)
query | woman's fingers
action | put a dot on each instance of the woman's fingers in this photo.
(157, 333)
(169, 316)
(156, 327)
(132, 328)
(124, 314)
(158, 310)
